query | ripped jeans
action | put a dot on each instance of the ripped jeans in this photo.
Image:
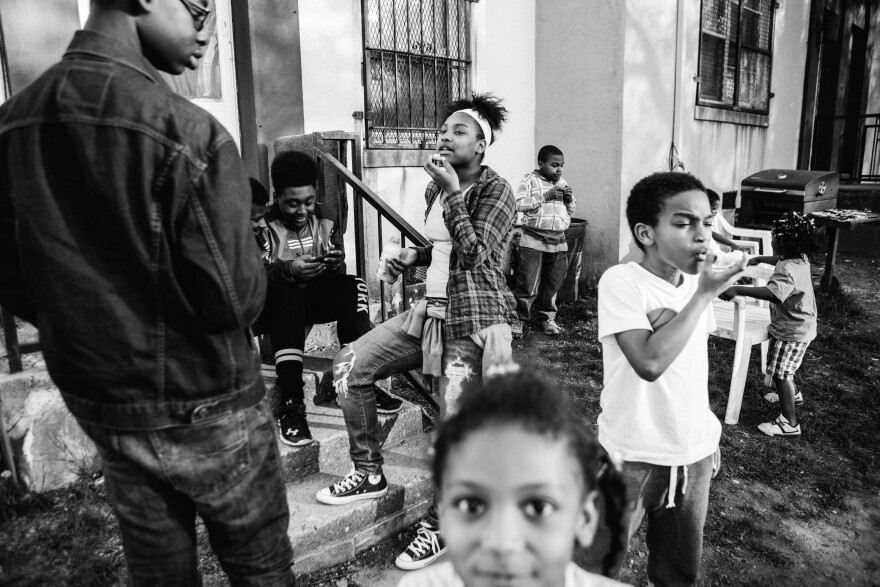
(382, 352)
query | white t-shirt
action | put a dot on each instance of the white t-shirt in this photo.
(666, 422)
(435, 231)
(444, 575)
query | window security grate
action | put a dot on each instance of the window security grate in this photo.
(416, 55)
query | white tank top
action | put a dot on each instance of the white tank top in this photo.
(437, 233)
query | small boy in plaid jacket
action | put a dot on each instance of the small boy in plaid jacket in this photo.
(546, 203)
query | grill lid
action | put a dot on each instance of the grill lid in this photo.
(793, 181)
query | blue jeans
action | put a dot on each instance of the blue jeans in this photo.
(539, 276)
(225, 467)
(385, 351)
(675, 535)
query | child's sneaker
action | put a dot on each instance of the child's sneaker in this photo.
(773, 398)
(551, 328)
(516, 328)
(425, 548)
(354, 486)
(387, 403)
(292, 426)
(780, 427)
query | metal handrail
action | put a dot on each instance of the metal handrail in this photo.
(363, 192)
(865, 162)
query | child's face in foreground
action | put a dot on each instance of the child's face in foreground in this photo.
(296, 204)
(680, 237)
(511, 506)
(551, 169)
(169, 37)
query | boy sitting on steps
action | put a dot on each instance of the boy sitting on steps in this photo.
(302, 250)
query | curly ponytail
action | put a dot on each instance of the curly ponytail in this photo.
(488, 106)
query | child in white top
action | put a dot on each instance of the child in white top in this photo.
(723, 259)
(516, 476)
(792, 315)
(654, 319)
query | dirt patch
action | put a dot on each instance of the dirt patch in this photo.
(796, 512)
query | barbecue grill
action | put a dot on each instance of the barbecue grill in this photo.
(768, 194)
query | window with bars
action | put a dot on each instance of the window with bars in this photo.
(736, 54)
(416, 56)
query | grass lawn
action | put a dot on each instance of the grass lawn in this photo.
(782, 511)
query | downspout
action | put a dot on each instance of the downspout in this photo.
(674, 162)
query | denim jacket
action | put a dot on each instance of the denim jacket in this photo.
(125, 238)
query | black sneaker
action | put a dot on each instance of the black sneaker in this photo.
(353, 487)
(292, 426)
(387, 403)
(425, 548)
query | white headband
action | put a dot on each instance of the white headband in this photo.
(484, 124)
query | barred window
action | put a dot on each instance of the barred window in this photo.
(416, 55)
(736, 54)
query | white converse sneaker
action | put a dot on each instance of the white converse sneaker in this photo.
(425, 548)
(353, 487)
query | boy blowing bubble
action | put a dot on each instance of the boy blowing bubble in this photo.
(654, 320)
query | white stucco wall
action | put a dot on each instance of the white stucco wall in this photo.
(648, 96)
(579, 83)
(721, 154)
(332, 52)
(504, 64)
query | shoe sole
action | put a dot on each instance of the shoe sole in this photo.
(299, 443)
(389, 410)
(330, 500)
(419, 564)
(784, 435)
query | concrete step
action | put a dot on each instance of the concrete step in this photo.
(317, 377)
(324, 536)
(329, 452)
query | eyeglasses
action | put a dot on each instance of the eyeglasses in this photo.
(199, 13)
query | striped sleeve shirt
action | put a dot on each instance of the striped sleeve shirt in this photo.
(538, 213)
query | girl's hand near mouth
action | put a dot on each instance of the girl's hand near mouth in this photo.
(443, 175)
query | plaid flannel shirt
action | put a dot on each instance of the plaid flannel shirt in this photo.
(538, 213)
(480, 224)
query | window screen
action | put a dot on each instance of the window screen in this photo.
(416, 55)
(736, 54)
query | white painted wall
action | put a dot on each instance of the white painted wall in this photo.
(579, 73)
(504, 64)
(649, 86)
(721, 154)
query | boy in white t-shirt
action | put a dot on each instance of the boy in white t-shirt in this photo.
(654, 320)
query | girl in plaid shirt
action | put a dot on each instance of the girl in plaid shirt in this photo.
(460, 329)
(792, 315)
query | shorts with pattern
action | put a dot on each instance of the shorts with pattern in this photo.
(785, 358)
